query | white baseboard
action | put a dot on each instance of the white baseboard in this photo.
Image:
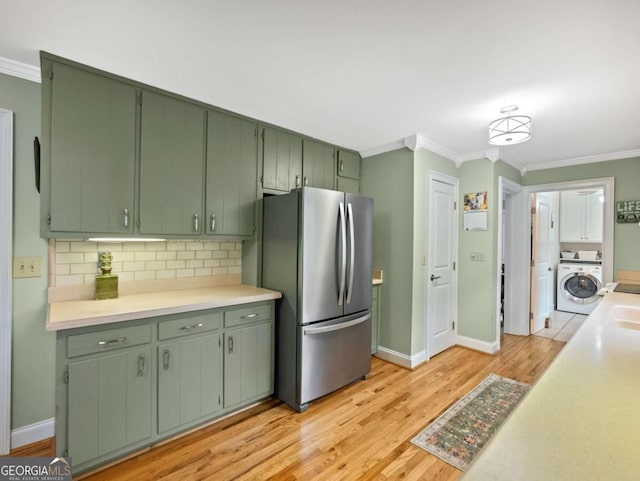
(482, 346)
(401, 359)
(32, 433)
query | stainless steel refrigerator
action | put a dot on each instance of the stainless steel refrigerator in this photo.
(317, 251)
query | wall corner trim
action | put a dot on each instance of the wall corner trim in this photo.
(476, 344)
(32, 433)
(395, 357)
(19, 69)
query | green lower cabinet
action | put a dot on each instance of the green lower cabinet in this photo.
(248, 364)
(189, 380)
(108, 403)
(375, 318)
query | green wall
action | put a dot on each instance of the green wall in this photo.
(627, 187)
(33, 357)
(388, 178)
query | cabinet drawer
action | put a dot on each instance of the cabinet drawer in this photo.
(244, 315)
(104, 341)
(187, 325)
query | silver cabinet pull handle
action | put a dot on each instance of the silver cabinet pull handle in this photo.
(297, 180)
(306, 180)
(126, 218)
(112, 341)
(249, 316)
(195, 222)
(213, 222)
(341, 165)
(192, 326)
(141, 365)
(352, 261)
(343, 245)
(230, 344)
(433, 278)
(166, 359)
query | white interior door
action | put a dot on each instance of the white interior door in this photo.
(442, 249)
(6, 223)
(542, 262)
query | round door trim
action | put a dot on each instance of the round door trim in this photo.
(581, 300)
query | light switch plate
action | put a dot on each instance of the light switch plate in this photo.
(27, 267)
(477, 256)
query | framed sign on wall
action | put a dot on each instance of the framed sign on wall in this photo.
(628, 211)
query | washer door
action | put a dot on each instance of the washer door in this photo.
(581, 288)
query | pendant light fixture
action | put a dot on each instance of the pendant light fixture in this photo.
(511, 129)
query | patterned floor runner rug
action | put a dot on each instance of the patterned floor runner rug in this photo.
(461, 432)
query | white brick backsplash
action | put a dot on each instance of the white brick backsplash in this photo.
(84, 269)
(145, 256)
(205, 271)
(166, 255)
(194, 264)
(166, 274)
(82, 246)
(176, 264)
(194, 246)
(76, 260)
(175, 246)
(155, 265)
(185, 273)
(144, 275)
(70, 258)
(62, 246)
(133, 266)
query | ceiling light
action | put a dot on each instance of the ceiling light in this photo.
(511, 129)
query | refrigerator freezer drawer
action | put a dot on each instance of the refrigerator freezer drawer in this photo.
(332, 354)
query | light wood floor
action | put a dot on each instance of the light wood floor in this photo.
(362, 432)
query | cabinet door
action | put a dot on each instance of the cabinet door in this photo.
(232, 169)
(350, 186)
(593, 217)
(108, 406)
(318, 165)
(171, 166)
(348, 164)
(93, 132)
(571, 216)
(281, 160)
(189, 380)
(248, 364)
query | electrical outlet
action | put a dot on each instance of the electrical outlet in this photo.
(27, 267)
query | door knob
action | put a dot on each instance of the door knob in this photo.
(433, 278)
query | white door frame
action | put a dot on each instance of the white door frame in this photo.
(453, 181)
(516, 304)
(6, 239)
(523, 276)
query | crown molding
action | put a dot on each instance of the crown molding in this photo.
(589, 159)
(19, 69)
(382, 149)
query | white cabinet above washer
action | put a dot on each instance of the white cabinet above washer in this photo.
(581, 213)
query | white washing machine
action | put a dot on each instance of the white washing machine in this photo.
(578, 286)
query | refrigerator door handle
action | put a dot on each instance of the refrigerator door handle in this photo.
(336, 327)
(343, 246)
(352, 262)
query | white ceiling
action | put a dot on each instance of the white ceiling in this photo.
(368, 73)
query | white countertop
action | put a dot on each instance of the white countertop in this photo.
(581, 420)
(73, 314)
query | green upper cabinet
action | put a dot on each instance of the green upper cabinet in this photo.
(348, 165)
(232, 172)
(281, 160)
(171, 166)
(91, 122)
(318, 165)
